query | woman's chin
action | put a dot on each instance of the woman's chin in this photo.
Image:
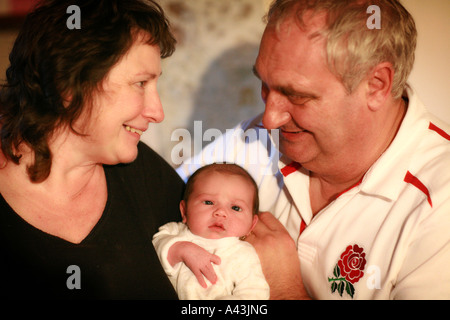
(129, 157)
(122, 156)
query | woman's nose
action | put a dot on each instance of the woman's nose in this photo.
(153, 110)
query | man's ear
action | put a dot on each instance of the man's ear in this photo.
(183, 211)
(379, 85)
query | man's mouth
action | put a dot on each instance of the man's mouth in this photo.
(133, 130)
(292, 133)
(292, 129)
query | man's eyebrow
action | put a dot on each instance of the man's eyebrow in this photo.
(289, 91)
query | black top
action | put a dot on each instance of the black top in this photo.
(116, 260)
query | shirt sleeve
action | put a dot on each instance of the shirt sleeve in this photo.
(425, 272)
(168, 235)
(249, 280)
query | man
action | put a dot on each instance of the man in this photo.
(361, 203)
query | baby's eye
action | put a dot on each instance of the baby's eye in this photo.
(236, 208)
(208, 202)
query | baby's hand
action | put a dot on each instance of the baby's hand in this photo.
(197, 259)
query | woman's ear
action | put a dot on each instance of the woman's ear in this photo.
(183, 211)
(66, 99)
(379, 85)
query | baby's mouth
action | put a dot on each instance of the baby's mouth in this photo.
(217, 226)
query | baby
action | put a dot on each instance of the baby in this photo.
(219, 208)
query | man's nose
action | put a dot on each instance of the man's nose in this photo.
(276, 113)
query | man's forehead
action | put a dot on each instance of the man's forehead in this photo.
(312, 23)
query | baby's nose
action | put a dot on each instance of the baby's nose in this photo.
(220, 212)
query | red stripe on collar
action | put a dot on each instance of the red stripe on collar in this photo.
(290, 168)
(302, 227)
(353, 186)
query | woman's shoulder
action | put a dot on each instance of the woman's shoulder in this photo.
(147, 164)
(150, 184)
(145, 153)
(150, 169)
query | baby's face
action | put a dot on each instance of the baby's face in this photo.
(219, 206)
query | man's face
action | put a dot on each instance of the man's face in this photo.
(321, 125)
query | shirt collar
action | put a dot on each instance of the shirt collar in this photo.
(386, 176)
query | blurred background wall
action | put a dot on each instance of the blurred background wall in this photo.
(209, 78)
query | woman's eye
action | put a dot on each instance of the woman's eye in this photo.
(236, 208)
(208, 202)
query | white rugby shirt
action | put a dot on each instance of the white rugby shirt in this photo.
(386, 238)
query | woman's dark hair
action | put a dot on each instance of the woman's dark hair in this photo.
(50, 62)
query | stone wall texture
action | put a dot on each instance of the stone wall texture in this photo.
(209, 78)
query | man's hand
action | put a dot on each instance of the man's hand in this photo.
(279, 258)
(197, 259)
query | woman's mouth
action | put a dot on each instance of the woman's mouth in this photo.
(133, 130)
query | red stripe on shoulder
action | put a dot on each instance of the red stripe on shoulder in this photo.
(290, 168)
(441, 132)
(409, 178)
(302, 227)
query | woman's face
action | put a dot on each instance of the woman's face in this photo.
(128, 102)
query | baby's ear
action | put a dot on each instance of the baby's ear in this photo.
(183, 211)
(254, 222)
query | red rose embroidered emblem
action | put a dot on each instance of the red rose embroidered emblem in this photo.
(348, 270)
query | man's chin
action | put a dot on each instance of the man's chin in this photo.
(296, 152)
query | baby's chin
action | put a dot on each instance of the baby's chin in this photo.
(214, 235)
(218, 236)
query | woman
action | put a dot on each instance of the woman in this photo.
(81, 197)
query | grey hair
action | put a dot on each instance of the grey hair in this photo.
(352, 48)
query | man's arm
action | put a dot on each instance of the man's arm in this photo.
(279, 259)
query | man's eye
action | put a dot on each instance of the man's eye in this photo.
(302, 99)
(236, 208)
(298, 100)
(141, 83)
(208, 202)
